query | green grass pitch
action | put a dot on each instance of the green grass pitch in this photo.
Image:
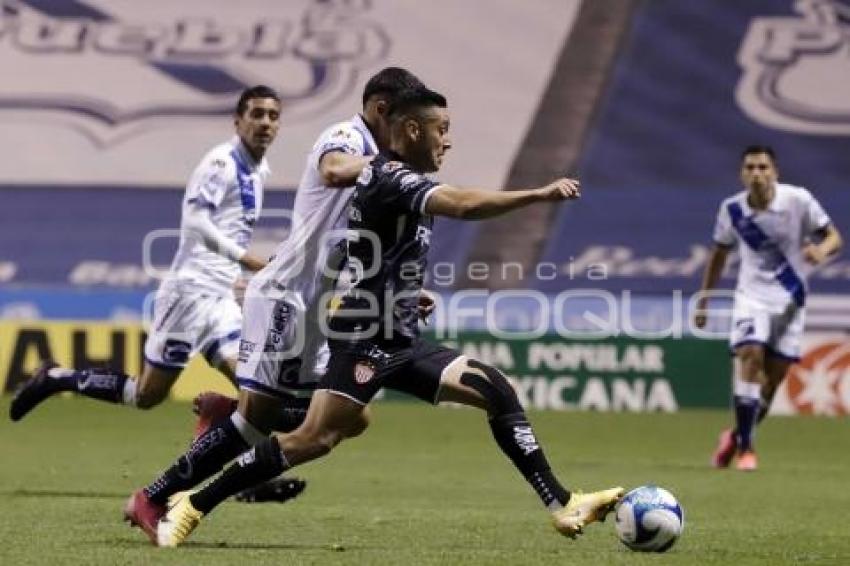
(427, 486)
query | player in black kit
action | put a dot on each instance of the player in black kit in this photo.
(374, 333)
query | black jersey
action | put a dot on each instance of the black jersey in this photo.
(389, 236)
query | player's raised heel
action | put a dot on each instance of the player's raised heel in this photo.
(32, 392)
(725, 450)
(141, 512)
(585, 508)
(178, 523)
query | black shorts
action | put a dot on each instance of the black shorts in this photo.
(292, 414)
(360, 371)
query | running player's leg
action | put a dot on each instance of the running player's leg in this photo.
(783, 351)
(334, 414)
(210, 452)
(775, 369)
(330, 419)
(749, 334)
(748, 379)
(259, 397)
(469, 382)
(102, 384)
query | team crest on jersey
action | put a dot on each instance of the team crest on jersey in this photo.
(392, 166)
(84, 62)
(410, 180)
(795, 72)
(363, 372)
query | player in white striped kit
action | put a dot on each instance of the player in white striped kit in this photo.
(778, 229)
(195, 309)
(283, 352)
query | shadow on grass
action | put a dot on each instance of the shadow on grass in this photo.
(65, 493)
(237, 545)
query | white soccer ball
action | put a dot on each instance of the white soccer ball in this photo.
(649, 519)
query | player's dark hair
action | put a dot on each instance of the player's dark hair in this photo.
(257, 91)
(757, 149)
(411, 101)
(390, 81)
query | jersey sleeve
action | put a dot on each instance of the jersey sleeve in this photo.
(208, 184)
(343, 138)
(406, 189)
(724, 233)
(815, 217)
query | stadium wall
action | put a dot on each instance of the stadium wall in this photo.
(102, 127)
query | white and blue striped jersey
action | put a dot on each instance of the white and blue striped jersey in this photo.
(320, 219)
(772, 270)
(228, 183)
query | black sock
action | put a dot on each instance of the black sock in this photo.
(514, 435)
(98, 383)
(764, 409)
(261, 463)
(208, 454)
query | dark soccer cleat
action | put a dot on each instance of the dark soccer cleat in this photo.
(278, 490)
(211, 407)
(35, 390)
(141, 512)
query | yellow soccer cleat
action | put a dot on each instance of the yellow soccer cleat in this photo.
(585, 508)
(178, 523)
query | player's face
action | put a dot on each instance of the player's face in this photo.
(758, 172)
(433, 141)
(258, 125)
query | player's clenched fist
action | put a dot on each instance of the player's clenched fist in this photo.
(562, 189)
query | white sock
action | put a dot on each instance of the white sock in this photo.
(129, 394)
(57, 373)
(249, 432)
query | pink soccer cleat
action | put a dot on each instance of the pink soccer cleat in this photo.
(211, 407)
(725, 450)
(141, 512)
(747, 461)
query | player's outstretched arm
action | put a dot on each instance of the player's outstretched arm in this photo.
(713, 270)
(478, 204)
(339, 169)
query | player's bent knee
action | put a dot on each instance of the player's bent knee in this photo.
(750, 360)
(149, 399)
(491, 384)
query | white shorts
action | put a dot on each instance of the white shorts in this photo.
(779, 332)
(283, 352)
(186, 322)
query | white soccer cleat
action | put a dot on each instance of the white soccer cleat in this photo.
(178, 523)
(585, 508)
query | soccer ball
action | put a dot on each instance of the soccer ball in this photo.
(649, 519)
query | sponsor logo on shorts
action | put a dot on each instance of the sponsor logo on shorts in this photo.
(363, 372)
(176, 351)
(745, 327)
(246, 348)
